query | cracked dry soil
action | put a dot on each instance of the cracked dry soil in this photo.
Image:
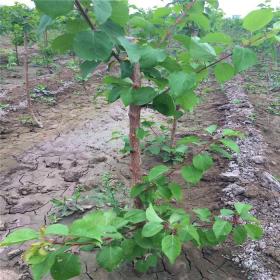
(74, 148)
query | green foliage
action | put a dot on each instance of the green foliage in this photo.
(110, 257)
(92, 45)
(171, 247)
(243, 58)
(258, 19)
(159, 144)
(224, 72)
(191, 174)
(41, 94)
(66, 266)
(171, 78)
(156, 172)
(54, 8)
(16, 20)
(20, 236)
(164, 104)
(117, 237)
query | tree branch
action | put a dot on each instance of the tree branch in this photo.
(84, 14)
(215, 62)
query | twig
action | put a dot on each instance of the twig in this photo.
(84, 14)
(214, 63)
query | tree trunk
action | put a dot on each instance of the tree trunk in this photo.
(46, 39)
(174, 129)
(134, 123)
(26, 78)
(173, 132)
(16, 48)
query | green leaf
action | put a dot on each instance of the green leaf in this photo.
(189, 140)
(137, 189)
(126, 69)
(83, 228)
(203, 214)
(242, 208)
(211, 129)
(150, 229)
(102, 10)
(191, 174)
(20, 236)
(152, 216)
(164, 104)
(114, 94)
(180, 83)
(113, 30)
(143, 242)
(87, 67)
(232, 133)
(222, 228)
(58, 229)
(217, 149)
(239, 235)
(171, 247)
(126, 95)
(135, 216)
(110, 257)
(254, 231)
(170, 64)
(226, 212)
(143, 95)
(160, 13)
(201, 20)
(128, 246)
(133, 50)
(45, 21)
(258, 19)
(157, 172)
(154, 149)
(217, 38)
(111, 80)
(120, 13)
(176, 191)
(140, 22)
(224, 72)
(188, 101)
(66, 266)
(230, 144)
(202, 161)
(63, 43)
(55, 8)
(201, 51)
(91, 45)
(76, 25)
(151, 57)
(141, 133)
(144, 265)
(192, 231)
(43, 268)
(243, 58)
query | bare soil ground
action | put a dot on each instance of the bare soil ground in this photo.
(74, 148)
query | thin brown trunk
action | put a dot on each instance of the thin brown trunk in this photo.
(26, 78)
(173, 132)
(174, 129)
(134, 123)
(16, 47)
